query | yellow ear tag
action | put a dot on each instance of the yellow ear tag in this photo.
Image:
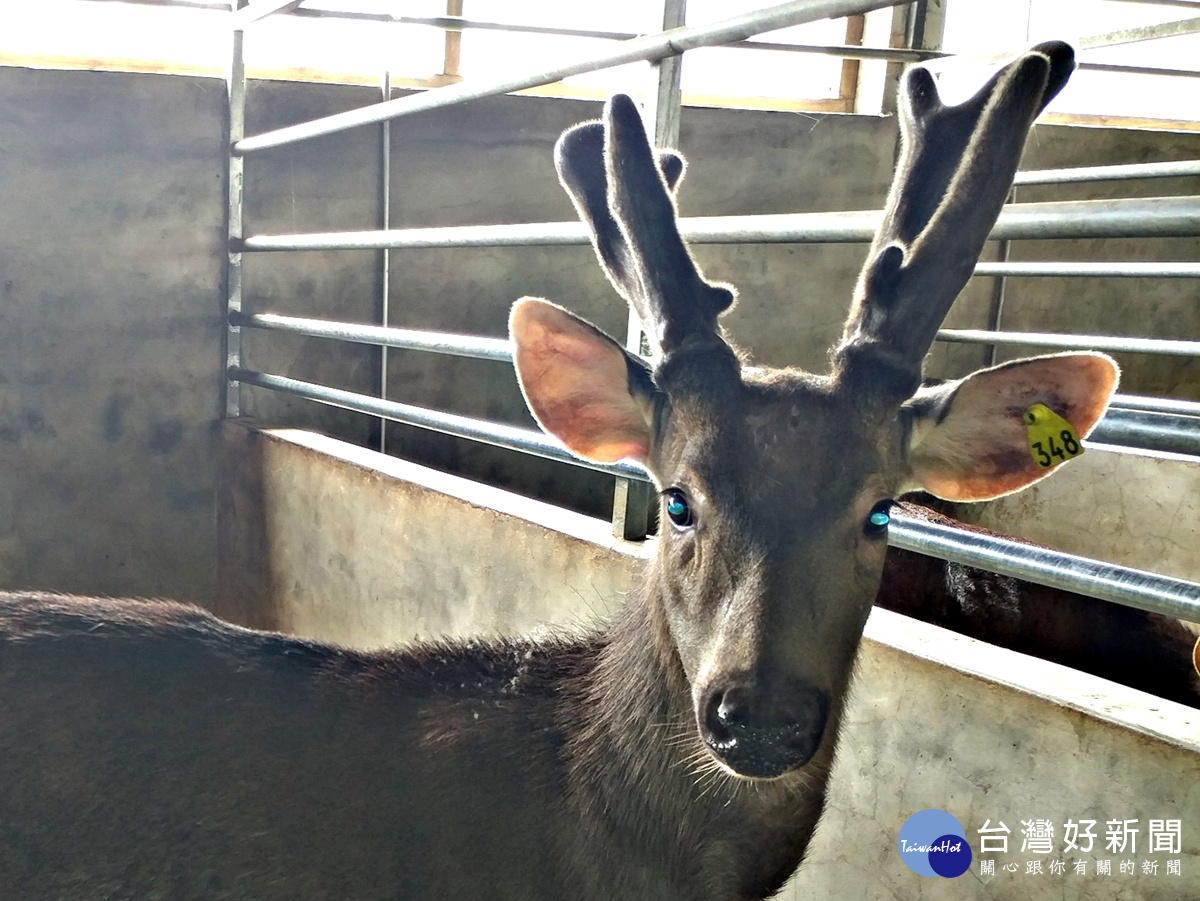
(1052, 440)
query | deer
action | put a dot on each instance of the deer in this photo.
(680, 751)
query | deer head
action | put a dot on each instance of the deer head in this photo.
(775, 484)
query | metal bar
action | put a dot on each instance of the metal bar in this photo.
(500, 350)
(1149, 423)
(509, 437)
(1139, 34)
(385, 255)
(256, 11)
(889, 54)
(534, 234)
(1151, 217)
(1111, 343)
(846, 51)
(1170, 169)
(1176, 598)
(1137, 70)
(215, 5)
(1001, 271)
(1126, 217)
(926, 22)
(1146, 423)
(456, 23)
(1149, 431)
(381, 336)
(999, 286)
(840, 50)
(662, 109)
(235, 98)
(1089, 270)
(453, 41)
(1155, 404)
(1186, 4)
(650, 47)
(893, 71)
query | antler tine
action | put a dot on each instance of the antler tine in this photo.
(955, 170)
(579, 159)
(623, 190)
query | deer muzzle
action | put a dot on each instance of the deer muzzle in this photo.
(761, 738)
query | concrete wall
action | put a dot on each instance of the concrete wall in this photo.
(111, 232)
(1136, 509)
(344, 544)
(322, 538)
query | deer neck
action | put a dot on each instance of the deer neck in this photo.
(636, 758)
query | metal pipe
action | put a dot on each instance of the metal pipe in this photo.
(533, 234)
(385, 255)
(1169, 169)
(500, 350)
(1139, 34)
(1137, 70)
(1150, 217)
(1111, 343)
(1145, 423)
(1148, 423)
(1176, 598)
(459, 23)
(1186, 4)
(650, 47)
(214, 5)
(235, 104)
(509, 437)
(1025, 269)
(1121, 218)
(1155, 404)
(1148, 431)
(999, 286)
(381, 336)
(633, 501)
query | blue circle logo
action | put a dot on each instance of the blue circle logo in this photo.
(933, 843)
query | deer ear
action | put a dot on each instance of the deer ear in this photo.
(581, 385)
(969, 439)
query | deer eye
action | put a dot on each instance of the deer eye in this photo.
(878, 519)
(679, 511)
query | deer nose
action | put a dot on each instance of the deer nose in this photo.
(759, 739)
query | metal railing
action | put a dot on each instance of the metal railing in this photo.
(1158, 423)
(527, 441)
(1176, 598)
(1153, 217)
(641, 49)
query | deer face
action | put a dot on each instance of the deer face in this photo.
(769, 559)
(774, 484)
